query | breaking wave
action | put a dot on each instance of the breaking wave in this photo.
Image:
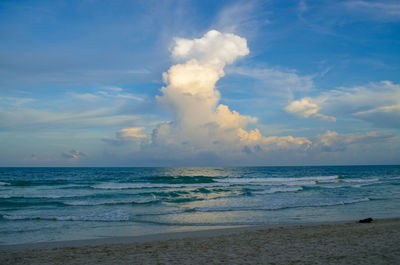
(278, 189)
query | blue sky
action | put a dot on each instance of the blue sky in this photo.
(316, 83)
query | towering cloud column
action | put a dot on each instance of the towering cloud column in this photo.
(190, 90)
(200, 123)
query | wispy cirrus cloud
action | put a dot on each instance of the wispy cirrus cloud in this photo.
(330, 17)
(241, 18)
(107, 94)
(380, 10)
(385, 116)
(75, 111)
(277, 81)
(15, 102)
(98, 108)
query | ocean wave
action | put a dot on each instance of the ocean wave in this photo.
(29, 203)
(112, 216)
(142, 185)
(360, 180)
(116, 202)
(277, 190)
(165, 212)
(351, 184)
(221, 182)
(36, 196)
(252, 208)
(214, 224)
(101, 199)
(303, 181)
(366, 184)
(4, 183)
(279, 207)
(26, 183)
(183, 200)
(76, 203)
(181, 179)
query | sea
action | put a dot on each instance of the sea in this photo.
(57, 204)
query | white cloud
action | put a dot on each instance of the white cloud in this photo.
(15, 102)
(73, 155)
(385, 116)
(256, 141)
(86, 96)
(30, 118)
(119, 95)
(332, 141)
(214, 49)
(72, 110)
(190, 90)
(377, 103)
(106, 93)
(126, 136)
(305, 108)
(302, 108)
(201, 125)
(241, 18)
(212, 133)
(208, 131)
(113, 88)
(131, 133)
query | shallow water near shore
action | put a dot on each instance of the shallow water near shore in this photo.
(54, 204)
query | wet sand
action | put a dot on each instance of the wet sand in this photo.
(340, 243)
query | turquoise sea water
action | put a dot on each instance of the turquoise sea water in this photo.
(49, 204)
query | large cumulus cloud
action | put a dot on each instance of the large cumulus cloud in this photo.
(205, 132)
(201, 124)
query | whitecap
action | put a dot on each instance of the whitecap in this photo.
(278, 189)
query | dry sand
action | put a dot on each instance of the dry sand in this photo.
(344, 243)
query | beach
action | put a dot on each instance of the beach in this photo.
(330, 243)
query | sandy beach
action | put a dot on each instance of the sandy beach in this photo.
(341, 243)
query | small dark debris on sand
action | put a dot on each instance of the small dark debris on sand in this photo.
(367, 220)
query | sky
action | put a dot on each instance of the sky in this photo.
(199, 83)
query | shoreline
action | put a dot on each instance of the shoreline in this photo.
(195, 233)
(329, 243)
